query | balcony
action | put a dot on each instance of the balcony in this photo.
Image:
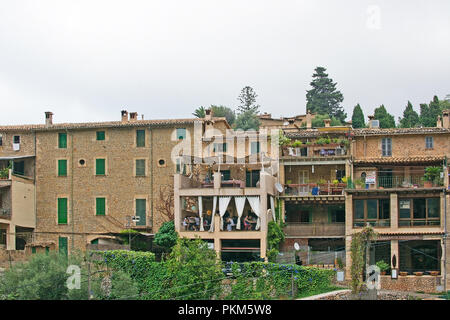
(315, 151)
(314, 189)
(380, 223)
(315, 229)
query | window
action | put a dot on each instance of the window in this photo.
(3, 236)
(376, 212)
(220, 147)
(62, 244)
(140, 138)
(419, 212)
(386, 147)
(16, 139)
(336, 215)
(252, 178)
(180, 167)
(429, 142)
(254, 147)
(62, 140)
(62, 210)
(1, 139)
(140, 167)
(19, 167)
(100, 165)
(141, 209)
(100, 206)
(100, 135)
(62, 168)
(181, 133)
(226, 175)
(33, 250)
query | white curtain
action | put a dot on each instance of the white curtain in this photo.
(240, 203)
(272, 206)
(223, 205)
(254, 204)
(211, 228)
(200, 212)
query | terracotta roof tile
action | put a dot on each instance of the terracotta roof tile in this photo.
(395, 131)
(417, 159)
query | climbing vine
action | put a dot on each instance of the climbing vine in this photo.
(360, 241)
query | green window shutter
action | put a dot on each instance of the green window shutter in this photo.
(248, 179)
(63, 245)
(62, 168)
(310, 217)
(141, 209)
(62, 140)
(140, 138)
(181, 133)
(95, 241)
(47, 250)
(254, 148)
(100, 206)
(33, 250)
(62, 210)
(100, 135)
(100, 167)
(178, 169)
(140, 167)
(224, 148)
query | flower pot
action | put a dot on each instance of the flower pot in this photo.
(418, 273)
(403, 273)
(434, 273)
(427, 184)
(383, 273)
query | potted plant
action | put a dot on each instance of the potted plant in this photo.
(359, 183)
(434, 273)
(384, 267)
(432, 176)
(403, 273)
(417, 273)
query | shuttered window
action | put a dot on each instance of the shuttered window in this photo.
(62, 243)
(62, 140)
(181, 133)
(100, 167)
(62, 168)
(140, 138)
(62, 210)
(254, 148)
(100, 204)
(140, 167)
(141, 205)
(386, 147)
(429, 142)
(100, 135)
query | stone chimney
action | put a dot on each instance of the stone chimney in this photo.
(439, 122)
(208, 114)
(133, 116)
(266, 115)
(308, 120)
(327, 122)
(446, 119)
(124, 115)
(373, 123)
(48, 118)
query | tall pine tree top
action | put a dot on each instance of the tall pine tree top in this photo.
(247, 99)
(386, 119)
(323, 98)
(358, 117)
(410, 117)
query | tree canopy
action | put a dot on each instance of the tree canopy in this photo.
(324, 98)
(386, 119)
(430, 112)
(410, 117)
(358, 117)
(247, 99)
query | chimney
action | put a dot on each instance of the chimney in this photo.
(124, 115)
(133, 116)
(308, 120)
(373, 123)
(48, 118)
(327, 122)
(446, 119)
(439, 122)
(208, 114)
(266, 115)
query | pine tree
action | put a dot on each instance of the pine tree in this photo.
(386, 120)
(323, 98)
(410, 117)
(247, 100)
(358, 117)
(430, 112)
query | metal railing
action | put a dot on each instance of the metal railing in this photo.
(419, 222)
(314, 151)
(313, 189)
(314, 229)
(374, 223)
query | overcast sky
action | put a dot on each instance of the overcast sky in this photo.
(87, 60)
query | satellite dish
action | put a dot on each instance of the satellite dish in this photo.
(279, 187)
(296, 246)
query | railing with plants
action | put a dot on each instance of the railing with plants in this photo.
(321, 187)
(322, 147)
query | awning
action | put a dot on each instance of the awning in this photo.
(16, 157)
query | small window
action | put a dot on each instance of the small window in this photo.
(100, 165)
(82, 162)
(62, 140)
(100, 135)
(181, 133)
(254, 147)
(62, 244)
(100, 206)
(140, 167)
(386, 147)
(16, 139)
(1, 139)
(62, 168)
(220, 147)
(180, 167)
(161, 162)
(62, 210)
(140, 138)
(429, 142)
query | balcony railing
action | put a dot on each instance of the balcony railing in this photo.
(419, 222)
(314, 189)
(331, 150)
(374, 223)
(315, 229)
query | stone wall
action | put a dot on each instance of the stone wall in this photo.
(411, 283)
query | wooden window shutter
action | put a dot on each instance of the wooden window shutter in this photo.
(62, 140)
(101, 206)
(63, 245)
(140, 138)
(62, 210)
(141, 210)
(100, 135)
(100, 166)
(62, 168)
(140, 167)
